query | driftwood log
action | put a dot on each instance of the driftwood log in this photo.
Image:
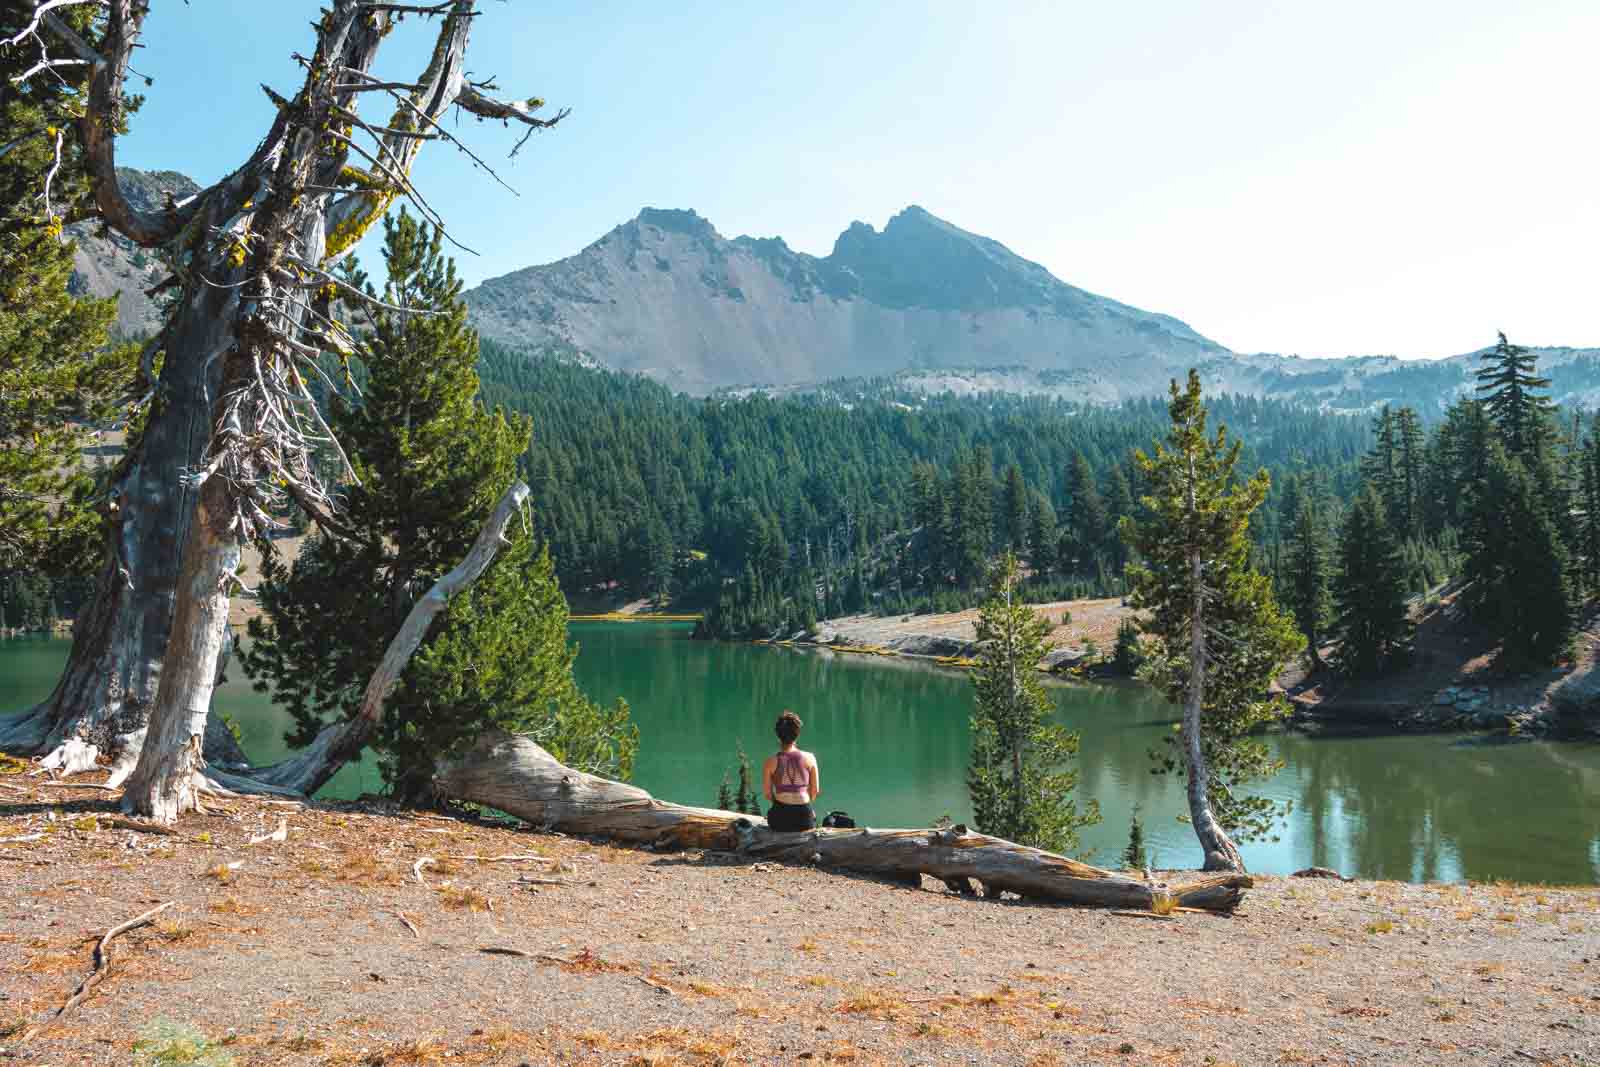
(515, 775)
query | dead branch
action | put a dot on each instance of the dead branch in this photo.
(122, 822)
(416, 868)
(503, 950)
(102, 959)
(409, 925)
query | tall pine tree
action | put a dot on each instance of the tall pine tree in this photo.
(1018, 779)
(1307, 577)
(1219, 636)
(1373, 625)
(430, 465)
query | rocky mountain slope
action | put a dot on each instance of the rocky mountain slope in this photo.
(666, 295)
(923, 303)
(107, 263)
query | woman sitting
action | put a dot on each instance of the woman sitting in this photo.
(789, 779)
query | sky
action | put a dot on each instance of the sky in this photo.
(1304, 178)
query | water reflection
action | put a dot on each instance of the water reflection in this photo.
(893, 742)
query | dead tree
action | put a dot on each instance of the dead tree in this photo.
(232, 420)
(515, 775)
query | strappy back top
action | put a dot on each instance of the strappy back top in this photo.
(790, 774)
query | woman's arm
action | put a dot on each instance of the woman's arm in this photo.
(766, 779)
(816, 780)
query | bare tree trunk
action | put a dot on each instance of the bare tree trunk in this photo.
(1220, 851)
(251, 258)
(167, 780)
(108, 687)
(515, 775)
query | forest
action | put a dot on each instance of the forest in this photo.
(768, 513)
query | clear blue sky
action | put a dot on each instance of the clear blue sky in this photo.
(1322, 179)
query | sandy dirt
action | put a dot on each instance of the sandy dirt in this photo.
(1074, 623)
(298, 952)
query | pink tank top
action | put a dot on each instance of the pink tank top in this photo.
(791, 775)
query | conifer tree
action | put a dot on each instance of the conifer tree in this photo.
(1015, 509)
(1306, 579)
(1017, 778)
(1088, 528)
(1219, 636)
(59, 377)
(1526, 598)
(430, 464)
(1507, 381)
(1042, 552)
(1373, 624)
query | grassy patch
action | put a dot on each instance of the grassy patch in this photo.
(1382, 926)
(166, 1044)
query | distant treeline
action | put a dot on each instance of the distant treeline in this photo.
(768, 512)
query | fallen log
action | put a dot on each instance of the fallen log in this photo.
(516, 776)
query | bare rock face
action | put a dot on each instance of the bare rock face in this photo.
(666, 295)
(109, 264)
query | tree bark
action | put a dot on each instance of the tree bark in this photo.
(1221, 854)
(108, 687)
(515, 775)
(167, 779)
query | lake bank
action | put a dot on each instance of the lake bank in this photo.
(329, 948)
(894, 740)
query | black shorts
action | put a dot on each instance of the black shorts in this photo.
(791, 818)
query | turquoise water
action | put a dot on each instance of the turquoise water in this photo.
(891, 739)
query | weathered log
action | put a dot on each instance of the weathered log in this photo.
(515, 775)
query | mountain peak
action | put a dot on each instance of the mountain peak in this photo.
(677, 220)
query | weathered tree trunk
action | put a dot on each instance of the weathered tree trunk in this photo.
(515, 775)
(167, 781)
(108, 687)
(1221, 854)
(251, 257)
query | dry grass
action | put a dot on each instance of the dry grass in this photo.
(232, 905)
(464, 897)
(873, 1005)
(221, 873)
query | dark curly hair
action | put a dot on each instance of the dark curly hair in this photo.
(788, 727)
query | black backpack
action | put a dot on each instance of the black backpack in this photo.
(838, 820)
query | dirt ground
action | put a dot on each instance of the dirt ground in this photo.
(1089, 620)
(303, 951)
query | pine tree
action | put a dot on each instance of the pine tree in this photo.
(1589, 502)
(1306, 579)
(1015, 510)
(431, 463)
(1508, 379)
(1219, 637)
(1527, 599)
(1017, 779)
(1088, 529)
(60, 379)
(1374, 626)
(1135, 857)
(1042, 552)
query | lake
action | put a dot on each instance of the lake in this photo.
(891, 738)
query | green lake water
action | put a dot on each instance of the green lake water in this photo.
(891, 740)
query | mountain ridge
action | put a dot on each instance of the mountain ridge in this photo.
(922, 301)
(666, 294)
